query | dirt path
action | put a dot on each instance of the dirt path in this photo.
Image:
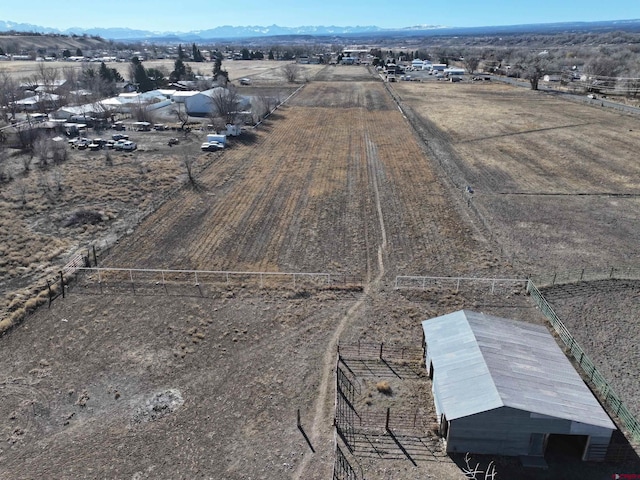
(321, 416)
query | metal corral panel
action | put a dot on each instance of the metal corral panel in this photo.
(482, 362)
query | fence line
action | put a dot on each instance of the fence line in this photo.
(607, 394)
(586, 275)
(406, 281)
(381, 351)
(200, 277)
(77, 262)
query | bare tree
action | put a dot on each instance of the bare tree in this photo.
(180, 111)
(9, 95)
(471, 63)
(226, 103)
(264, 105)
(533, 69)
(601, 73)
(41, 151)
(5, 175)
(290, 72)
(189, 162)
(47, 77)
(21, 189)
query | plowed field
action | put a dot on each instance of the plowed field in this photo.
(301, 196)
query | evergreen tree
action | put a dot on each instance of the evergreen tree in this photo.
(140, 76)
(217, 68)
(271, 57)
(196, 55)
(105, 73)
(179, 70)
(181, 54)
(156, 77)
(78, 52)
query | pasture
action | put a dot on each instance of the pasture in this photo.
(207, 385)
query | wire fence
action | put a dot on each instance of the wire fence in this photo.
(379, 351)
(167, 281)
(607, 394)
(495, 285)
(585, 275)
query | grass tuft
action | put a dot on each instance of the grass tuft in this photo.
(383, 387)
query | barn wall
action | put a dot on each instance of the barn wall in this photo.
(507, 431)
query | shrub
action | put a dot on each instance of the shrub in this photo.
(384, 387)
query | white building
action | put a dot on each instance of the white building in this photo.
(204, 103)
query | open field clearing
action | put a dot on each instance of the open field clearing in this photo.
(557, 183)
(204, 381)
(261, 71)
(305, 199)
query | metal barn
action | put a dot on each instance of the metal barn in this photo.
(505, 387)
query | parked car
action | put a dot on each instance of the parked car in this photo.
(120, 136)
(81, 143)
(173, 141)
(118, 126)
(128, 146)
(211, 146)
(159, 127)
(245, 81)
(119, 144)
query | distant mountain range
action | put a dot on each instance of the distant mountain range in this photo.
(231, 32)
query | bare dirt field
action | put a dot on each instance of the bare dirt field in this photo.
(181, 381)
(609, 335)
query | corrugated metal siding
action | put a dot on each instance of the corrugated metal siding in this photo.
(507, 431)
(482, 362)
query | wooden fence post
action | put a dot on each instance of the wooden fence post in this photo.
(95, 257)
(62, 283)
(50, 293)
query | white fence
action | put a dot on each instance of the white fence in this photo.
(496, 284)
(197, 278)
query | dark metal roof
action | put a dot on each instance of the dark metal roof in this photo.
(482, 362)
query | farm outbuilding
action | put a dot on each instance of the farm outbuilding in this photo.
(505, 387)
(205, 103)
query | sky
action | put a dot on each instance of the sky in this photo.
(170, 15)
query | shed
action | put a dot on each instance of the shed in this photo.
(505, 387)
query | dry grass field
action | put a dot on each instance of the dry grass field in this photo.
(261, 71)
(557, 183)
(181, 382)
